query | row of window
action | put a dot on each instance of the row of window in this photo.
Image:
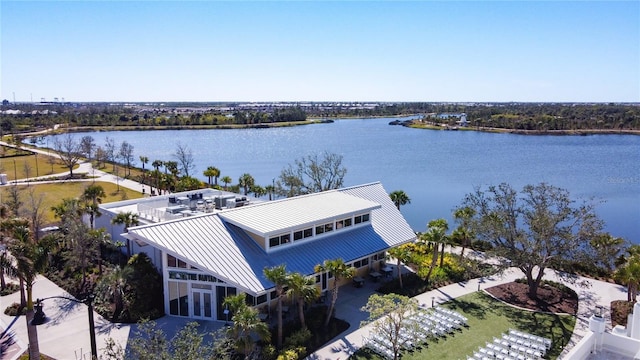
(317, 230)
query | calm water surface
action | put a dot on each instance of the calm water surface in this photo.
(435, 168)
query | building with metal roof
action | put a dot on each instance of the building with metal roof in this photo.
(205, 256)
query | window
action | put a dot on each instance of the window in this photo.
(328, 227)
(347, 222)
(279, 240)
(274, 241)
(250, 300)
(339, 224)
(285, 239)
(261, 299)
(319, 229)
(178, 298)
(357, 264)
(172, 261)
(297, 235)
(361, 218)
(308, 232)
(365, 261)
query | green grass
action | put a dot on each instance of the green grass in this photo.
(53, 193)
(490, 318)
(28, 164)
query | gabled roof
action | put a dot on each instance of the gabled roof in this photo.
(277, 216)
(224, 250)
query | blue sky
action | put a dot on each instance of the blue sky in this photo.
(563, 51)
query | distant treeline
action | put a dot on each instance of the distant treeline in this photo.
(516, 116)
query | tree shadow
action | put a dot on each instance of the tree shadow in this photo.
(472, 308)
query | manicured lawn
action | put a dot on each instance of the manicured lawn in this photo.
(489, 318)
(29, 165)
(53, 194)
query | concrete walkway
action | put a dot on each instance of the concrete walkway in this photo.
(591, 293)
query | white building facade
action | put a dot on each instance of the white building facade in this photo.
(208, 253)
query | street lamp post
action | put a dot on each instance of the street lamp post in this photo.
(39, 317)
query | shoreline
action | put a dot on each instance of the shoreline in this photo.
(58, 129)
(581, 132)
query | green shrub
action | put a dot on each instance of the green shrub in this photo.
(15, 309)
(10, 289)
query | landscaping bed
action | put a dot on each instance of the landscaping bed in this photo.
(552, 298)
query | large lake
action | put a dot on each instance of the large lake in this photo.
(435, 168)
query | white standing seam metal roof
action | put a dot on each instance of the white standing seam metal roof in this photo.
(278, 216)
(227, 252)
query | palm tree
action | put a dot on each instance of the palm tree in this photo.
(212, 172)
(399, 198)
(68, 210)
(435, 235)
(31, 258)
(246, 323)
(93, 195)
(246, 181)
(402, 254)
(156, 166)
(226, 180)
(607, 247)
(340, 271)
(463, 233)
(629, 274)
(270, 189)
(461, 236)
(116, 283)
(303, 289)
(279, 277)
(127, 219)
(143, 160)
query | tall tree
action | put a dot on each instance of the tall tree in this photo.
(212, 172)
(69, 151)
(31, 258)
(156, 172)
(128, 219)
(389, 316)
(246, 181)
(279, 277)
(607, 249)
(436, 234)
(303, 289)
(312, 174)
(246, 324)
(533, 230)
(126, 154)
(399, 198)
(184, 157)
(110, 151)
(462, 235)
(402, 254)
(226, 180)
(93, 195)
(87, 145)
(339, 270)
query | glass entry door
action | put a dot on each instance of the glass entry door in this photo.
(202, 302)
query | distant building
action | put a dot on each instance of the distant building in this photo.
(207, 252)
